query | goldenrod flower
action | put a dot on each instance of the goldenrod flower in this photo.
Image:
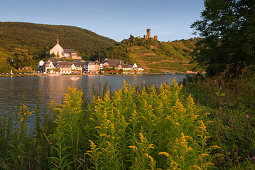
(215, 147)
(151, 146)
(92, 145)
(195, 167)
(133, 147)
(164, 153)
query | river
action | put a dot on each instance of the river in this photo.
(45, 89)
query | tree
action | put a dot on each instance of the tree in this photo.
(228, 29)
(21, 58)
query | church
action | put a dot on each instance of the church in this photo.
(64, 53)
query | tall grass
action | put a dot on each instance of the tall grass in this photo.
(230, 99)
(132, 128)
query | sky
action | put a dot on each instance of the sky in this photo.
(116, 19)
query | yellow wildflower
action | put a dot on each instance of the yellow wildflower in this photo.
(215, 147)
(202, 127)
(105, 114)
(151, 146)
(164, 153)
(212, 164)
(207, 114)
(142, 137)
(203, 155)
(92, 145)
(174, 164)
(195, 116)
(108, 143)
(133, 147)
(151, 158)
(195, 167)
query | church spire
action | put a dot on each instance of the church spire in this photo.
(57, 41)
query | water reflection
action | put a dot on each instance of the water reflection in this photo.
(52, 88)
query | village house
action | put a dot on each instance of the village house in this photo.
(137, 69)
(120, 65)
(127, 67)
(49, 67)
(113, 66)
(77, 67)
(92, 67)
(64, 67)
(113, 63)
(40, 68)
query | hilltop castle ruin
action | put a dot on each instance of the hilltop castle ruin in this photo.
(146, 37)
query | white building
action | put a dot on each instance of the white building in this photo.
(136, 67)
(64, 67)
(61, 53)
(57, 50)
(91, 67)
(101, 66)
(40, 68)
(49, 67)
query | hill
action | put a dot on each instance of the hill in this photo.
(153, 55)
(38, 38)
(4, 65)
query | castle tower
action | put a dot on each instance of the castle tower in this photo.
(149, 33)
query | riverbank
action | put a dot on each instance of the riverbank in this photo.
(27, 75)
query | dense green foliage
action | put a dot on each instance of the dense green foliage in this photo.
(4, 64)
(227, 27)
(231, 103)
(21, 58)
(154, 55)
(133, 128)
(38, 39)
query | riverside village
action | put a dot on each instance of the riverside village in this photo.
(67, 61)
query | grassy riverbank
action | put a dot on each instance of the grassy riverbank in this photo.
(136, 128)
(231, 101)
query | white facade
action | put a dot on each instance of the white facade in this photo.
(91, 67)
(73, 67)
(137, 68)
(65, 70)
(101, 66)
(49, 67)
(67, 55)
(127, 68)
(57, 50)
(41, 63)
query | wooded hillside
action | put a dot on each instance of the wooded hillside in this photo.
(40, 38)
(153, 55)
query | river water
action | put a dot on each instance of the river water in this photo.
(45, 89)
